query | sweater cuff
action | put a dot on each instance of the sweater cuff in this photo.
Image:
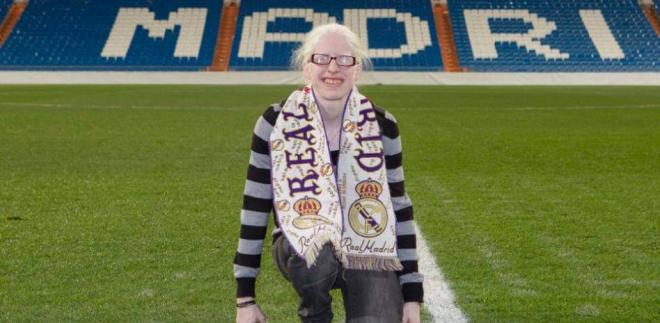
(245, 287)
(413, 292)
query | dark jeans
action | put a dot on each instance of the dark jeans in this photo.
(369, 296)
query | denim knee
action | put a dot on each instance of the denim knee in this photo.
(372, 296)
(312, 284)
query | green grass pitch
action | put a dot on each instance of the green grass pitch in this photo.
(121, 203)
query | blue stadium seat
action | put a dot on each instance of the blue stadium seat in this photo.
(4, 8)
(400, 35)
(76, 35)
(495, 37)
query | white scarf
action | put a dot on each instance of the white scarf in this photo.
(351, 209)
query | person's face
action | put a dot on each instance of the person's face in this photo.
(332, 82)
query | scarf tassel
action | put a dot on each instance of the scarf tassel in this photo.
(317, 244)
(374, 263)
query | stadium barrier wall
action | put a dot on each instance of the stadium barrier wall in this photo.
(294, 77)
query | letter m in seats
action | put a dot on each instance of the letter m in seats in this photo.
(191, 21)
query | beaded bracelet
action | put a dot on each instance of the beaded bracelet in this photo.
(246, 303)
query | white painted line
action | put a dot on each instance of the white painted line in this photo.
(438, 297)
(295, 77)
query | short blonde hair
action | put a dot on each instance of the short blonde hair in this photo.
(304, 53)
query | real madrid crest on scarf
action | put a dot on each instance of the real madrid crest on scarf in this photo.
(350, 208)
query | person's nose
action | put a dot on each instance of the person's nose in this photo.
(333, 67)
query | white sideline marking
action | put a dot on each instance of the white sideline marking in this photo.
(438, 297)
(295, 77)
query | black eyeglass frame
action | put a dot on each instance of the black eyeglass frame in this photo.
(336, 58)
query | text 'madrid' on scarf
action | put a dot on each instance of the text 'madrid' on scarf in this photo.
(350, 207)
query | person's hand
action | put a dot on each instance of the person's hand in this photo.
(411, 313)
(249, 314)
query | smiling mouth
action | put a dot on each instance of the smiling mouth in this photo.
(332, 81)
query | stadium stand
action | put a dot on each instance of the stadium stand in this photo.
(541, 36)
(113, 35)
(10, 13)
(4, 7)
(652, 16)
(399, 34)
(469, 35)
(445, 37)
(225, 39)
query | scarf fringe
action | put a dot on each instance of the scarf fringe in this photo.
(374, 263)
(317, 244)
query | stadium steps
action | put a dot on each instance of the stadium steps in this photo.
(652, 17)
(446, 38)
(12, 18)
(225, 39)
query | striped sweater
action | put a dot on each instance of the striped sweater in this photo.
(258, 203)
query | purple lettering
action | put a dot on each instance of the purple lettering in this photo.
(362, 155)
(302, 134)
(305, 115)
(360, 139)
(300, 160)
(299, 185)
(367, 115)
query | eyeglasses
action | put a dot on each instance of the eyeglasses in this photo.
(341, 60)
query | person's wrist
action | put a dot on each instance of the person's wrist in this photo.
(245, 302)
(244, 299)
(415, 305)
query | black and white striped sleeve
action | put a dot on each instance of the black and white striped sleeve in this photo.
(257, 204)
(410, 279)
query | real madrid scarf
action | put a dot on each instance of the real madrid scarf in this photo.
(350, 207)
